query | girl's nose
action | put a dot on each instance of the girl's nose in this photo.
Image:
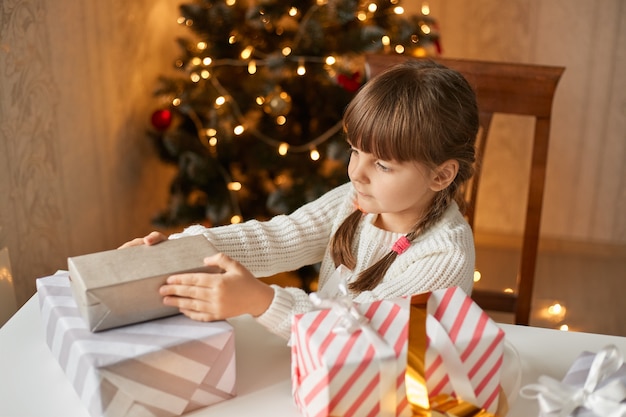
(356, 171)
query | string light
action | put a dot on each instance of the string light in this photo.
(425, 9)
(283, 148)
(176, 102)
(235, 219)
(202, 45)
(238, 130)
(301, 68)
(398, 10)
(252, 67)
(247, 52)
(207, 61)
(477, 276)
(315, 155)
(508, 291)
(234, 186)
(281, 120)
(372, 7)
(220, 101)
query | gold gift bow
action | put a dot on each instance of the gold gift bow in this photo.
(555, 396)
(421, 404)
(350, 319)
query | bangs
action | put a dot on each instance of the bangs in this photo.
(385, 123)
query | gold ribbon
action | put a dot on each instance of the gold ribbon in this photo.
(441, 405)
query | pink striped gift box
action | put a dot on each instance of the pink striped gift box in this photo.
(164, 367)
(349, 374)
(465, 350)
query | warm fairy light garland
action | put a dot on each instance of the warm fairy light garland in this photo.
(248, 59)
(200, 69)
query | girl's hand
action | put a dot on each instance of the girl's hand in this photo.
(152, 239)
(217, 296)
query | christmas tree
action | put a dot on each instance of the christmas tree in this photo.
(254, 121)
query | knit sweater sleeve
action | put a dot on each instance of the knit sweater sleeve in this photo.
(284, 243)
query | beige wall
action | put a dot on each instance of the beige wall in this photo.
(78, 175)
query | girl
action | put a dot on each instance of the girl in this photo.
(396, 225)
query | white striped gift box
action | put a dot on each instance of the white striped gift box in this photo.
(465, 350)
(342, 374)
(160, 368)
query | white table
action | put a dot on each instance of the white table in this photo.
(32, 384)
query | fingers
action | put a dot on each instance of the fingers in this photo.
(135, 242)
(151, 239)
(154, 238)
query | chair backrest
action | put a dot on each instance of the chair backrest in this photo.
(520, 89)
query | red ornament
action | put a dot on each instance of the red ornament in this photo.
(161, 119)
(350, 84)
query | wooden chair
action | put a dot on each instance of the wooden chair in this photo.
(519, 89)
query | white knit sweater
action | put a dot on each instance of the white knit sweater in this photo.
(440, 258)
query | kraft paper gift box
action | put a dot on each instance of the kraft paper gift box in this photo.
(118, 287)
(160, 368)
(343, 371)
(594, 386)
(455, 352)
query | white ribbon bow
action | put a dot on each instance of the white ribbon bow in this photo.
(555, 396)
(350, 319)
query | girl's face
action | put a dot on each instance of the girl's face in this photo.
(399, 192)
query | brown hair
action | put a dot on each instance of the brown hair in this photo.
(416, 111)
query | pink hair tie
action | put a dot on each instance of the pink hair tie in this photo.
(401, 245)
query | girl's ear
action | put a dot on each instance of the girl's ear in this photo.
(444, 174)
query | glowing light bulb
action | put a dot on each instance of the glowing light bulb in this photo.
(362, 16)
(176, 102)
(315, 155)
(210, 131)
(508, 290)
(399, 49)
(330, 60)
(259, 100)
(205, 74)
(207, 61)
(283, 148)
(231, 2)
(220, 100)
(234, 186)
(398, 10)
(195, 77)
(425, 28)
(213, 141)
(385, 40)
(281, 120)
(181, 20)
(252, 67)
(293, 11)
(564, 327)
(196, 61)
(301, 68)
(425, 9)
(286, 51)
(372, 7)
(235, 219)
(477, 276)
(555, 309)
(247, 52)
(238, 130)
(201, 45)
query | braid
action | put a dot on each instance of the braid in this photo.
(341, 243)
(371, 277)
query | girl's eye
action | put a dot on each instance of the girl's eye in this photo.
(382, 167)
